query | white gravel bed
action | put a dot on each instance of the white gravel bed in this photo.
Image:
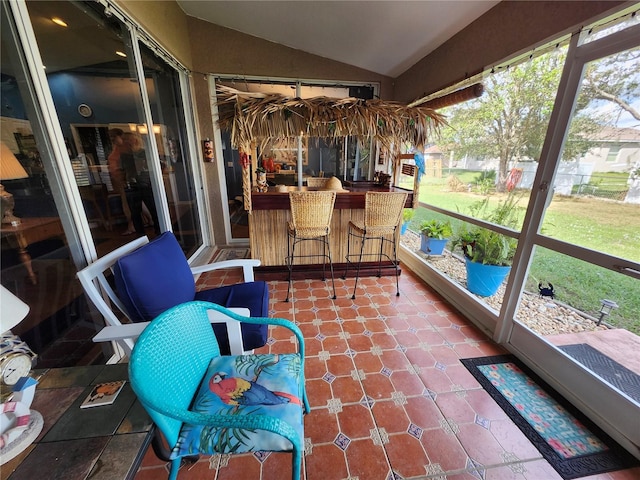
(542, 314)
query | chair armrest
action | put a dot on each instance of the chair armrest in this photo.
(247, 267)
(113, 333)
(133, 330)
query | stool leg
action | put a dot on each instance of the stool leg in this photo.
(382, 239)
(355, 285)
(323, 240)
(395, 262)
(333, 282)
(290, 252)
(346, 270)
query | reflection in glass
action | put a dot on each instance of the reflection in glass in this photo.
(37, 264)
(163, 87)
(101, 116)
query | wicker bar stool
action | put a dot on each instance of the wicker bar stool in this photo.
(311, 214)
(382, 216)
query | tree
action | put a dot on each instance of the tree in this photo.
(613, 79)
(510, 120)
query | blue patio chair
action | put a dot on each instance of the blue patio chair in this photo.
(206, 403)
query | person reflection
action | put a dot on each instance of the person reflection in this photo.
(117, 174)
(138, 183)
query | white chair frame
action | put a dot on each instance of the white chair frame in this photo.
(122, 335)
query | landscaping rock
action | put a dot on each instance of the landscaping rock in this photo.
(538, 313)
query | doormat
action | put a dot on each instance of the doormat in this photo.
(565, 437)
(231, 254)
(617, 375)
(239, 216)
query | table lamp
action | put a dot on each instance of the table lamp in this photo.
(12, 310)
(10, 169)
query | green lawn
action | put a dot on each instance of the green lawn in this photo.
(597, 224)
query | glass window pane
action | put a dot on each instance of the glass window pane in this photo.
(163, 87)
(597, 187)
(37, 262)
(582, 307)
(100, 112)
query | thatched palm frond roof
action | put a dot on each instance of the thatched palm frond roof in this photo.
(261, 117)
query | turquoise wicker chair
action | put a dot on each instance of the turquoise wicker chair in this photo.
(205, 403)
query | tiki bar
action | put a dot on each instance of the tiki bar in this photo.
(263, 126)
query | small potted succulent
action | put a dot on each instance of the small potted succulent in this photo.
(434, 236)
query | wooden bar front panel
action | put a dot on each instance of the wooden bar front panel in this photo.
(268, 230)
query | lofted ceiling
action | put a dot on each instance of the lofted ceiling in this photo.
(386, 37)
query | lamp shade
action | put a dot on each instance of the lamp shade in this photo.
(10, 167)
(12, 310)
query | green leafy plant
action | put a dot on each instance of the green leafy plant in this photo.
(436, 229)
(486, 181)
(485, 246)
(407, 214)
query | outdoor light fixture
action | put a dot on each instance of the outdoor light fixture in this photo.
(606, 308)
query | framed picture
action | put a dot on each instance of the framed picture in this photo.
(26, 144)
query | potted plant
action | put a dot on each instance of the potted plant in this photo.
(488, 254)
(407, 215)
(434, 236)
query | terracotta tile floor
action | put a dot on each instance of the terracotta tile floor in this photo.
(389, 398)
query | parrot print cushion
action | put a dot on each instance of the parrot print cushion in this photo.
(246, 385)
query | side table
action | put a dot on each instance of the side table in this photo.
(101, 443)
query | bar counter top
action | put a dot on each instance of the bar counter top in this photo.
(352, 197)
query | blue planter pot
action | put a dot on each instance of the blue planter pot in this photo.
(432, 246)
(403, 228)
(484, 280)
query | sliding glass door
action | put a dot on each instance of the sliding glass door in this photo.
(98, 116)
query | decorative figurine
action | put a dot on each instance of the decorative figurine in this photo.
(19, 425)
(546, 291)
(261, 180)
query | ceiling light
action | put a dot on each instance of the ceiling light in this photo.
(121, 54)
(59, 21)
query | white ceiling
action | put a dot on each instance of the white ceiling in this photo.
(386, 37)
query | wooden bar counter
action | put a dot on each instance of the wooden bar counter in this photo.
(268, 231)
